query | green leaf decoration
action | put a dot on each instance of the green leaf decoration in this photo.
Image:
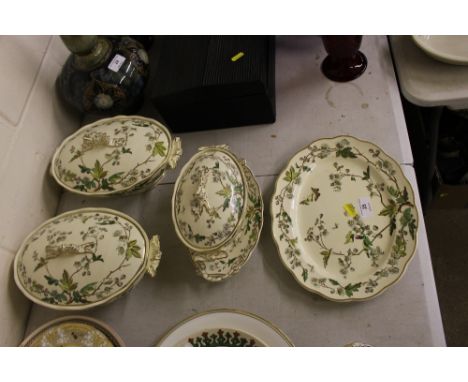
(312, 197)
(76, 156)
(366, 241)
(87, 289)
(389, 210)
(42, 262)
(133, 250)
(98, 171)
(291, 175)
(334, 282)
(305, 274)
(349, 237)
(392, 191)
(366, 174)
(126, 151)
(225, 192)
(115, 177)
(326, 256)
(51, 280)
(66, 282)
(199, 237)
(351, 288)
(159, 149)
(84, 169)
(346, 152)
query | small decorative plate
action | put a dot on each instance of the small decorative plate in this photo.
(72, 331)
(448, 49)
(222, 263)
(117, 155)
(225, 327)
(84, 258)
(344, 219)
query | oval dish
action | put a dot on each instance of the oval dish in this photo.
(344, 219)
(84, 258)
(114, 156)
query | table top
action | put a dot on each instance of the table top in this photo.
(309, 107)
(425, 81)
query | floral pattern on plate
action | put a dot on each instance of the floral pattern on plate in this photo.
(344, 219)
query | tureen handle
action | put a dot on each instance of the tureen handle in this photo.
(175, 153)
(224, 147)
(154, 256)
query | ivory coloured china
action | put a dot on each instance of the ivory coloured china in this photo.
(84, 258)
(228, 260)
(344, 219)
(73, 331)
(217, 211)
(225, 328)
(118, 155)
(448, 49)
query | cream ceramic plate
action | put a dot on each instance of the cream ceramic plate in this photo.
(344, 219)
(117, 155)
(448, 49)
(225, 327)
(84, 258)
(73, 331)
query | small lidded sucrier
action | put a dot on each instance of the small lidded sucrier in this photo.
(217, 210)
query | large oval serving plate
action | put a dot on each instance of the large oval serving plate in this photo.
(84, 258)
(448, 49)
(225, 328)
(73, 331)
(112, 156)
(344, 219)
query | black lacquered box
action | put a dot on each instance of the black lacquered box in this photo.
(212, 82)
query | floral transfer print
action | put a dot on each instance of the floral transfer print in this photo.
(81, 258)
(223, 263)
(112, 155)
(383, 185)
(209, 200)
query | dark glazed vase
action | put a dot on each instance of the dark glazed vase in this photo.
(103, 76)
(344, 61)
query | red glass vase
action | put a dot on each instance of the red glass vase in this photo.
(344, 61)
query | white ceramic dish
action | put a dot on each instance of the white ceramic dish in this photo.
(344, 219)
(73, 331)
(84, 258)
(448, 49)
(225, 327)
(114, 156)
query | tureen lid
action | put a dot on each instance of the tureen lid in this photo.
(114, 155)
(209, 199)
(84, 258)
(73, 331)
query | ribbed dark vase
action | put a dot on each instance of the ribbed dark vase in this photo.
(104, 76)
(344, 61)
